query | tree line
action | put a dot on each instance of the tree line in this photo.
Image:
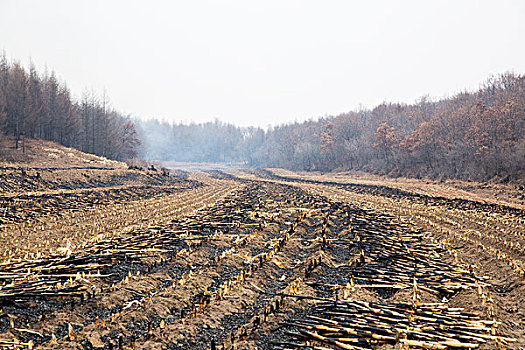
(40, 106)
(472, 135)
(476, 135)
(204, 142)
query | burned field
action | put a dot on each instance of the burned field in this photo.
(259, 263)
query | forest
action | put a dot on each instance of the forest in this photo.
(472, 135)
(40, 106)
(478, 135)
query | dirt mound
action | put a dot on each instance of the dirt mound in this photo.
(47, 154)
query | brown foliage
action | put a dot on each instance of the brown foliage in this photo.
(471, 136)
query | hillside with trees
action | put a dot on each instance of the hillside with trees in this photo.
(39, 106)
(476, 135)
(473, 135)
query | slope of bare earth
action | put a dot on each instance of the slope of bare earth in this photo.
(47, 154)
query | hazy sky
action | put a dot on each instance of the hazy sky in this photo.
(265, 62)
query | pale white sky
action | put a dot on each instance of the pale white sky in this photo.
(265, 62)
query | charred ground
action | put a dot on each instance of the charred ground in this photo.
(130, 258)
